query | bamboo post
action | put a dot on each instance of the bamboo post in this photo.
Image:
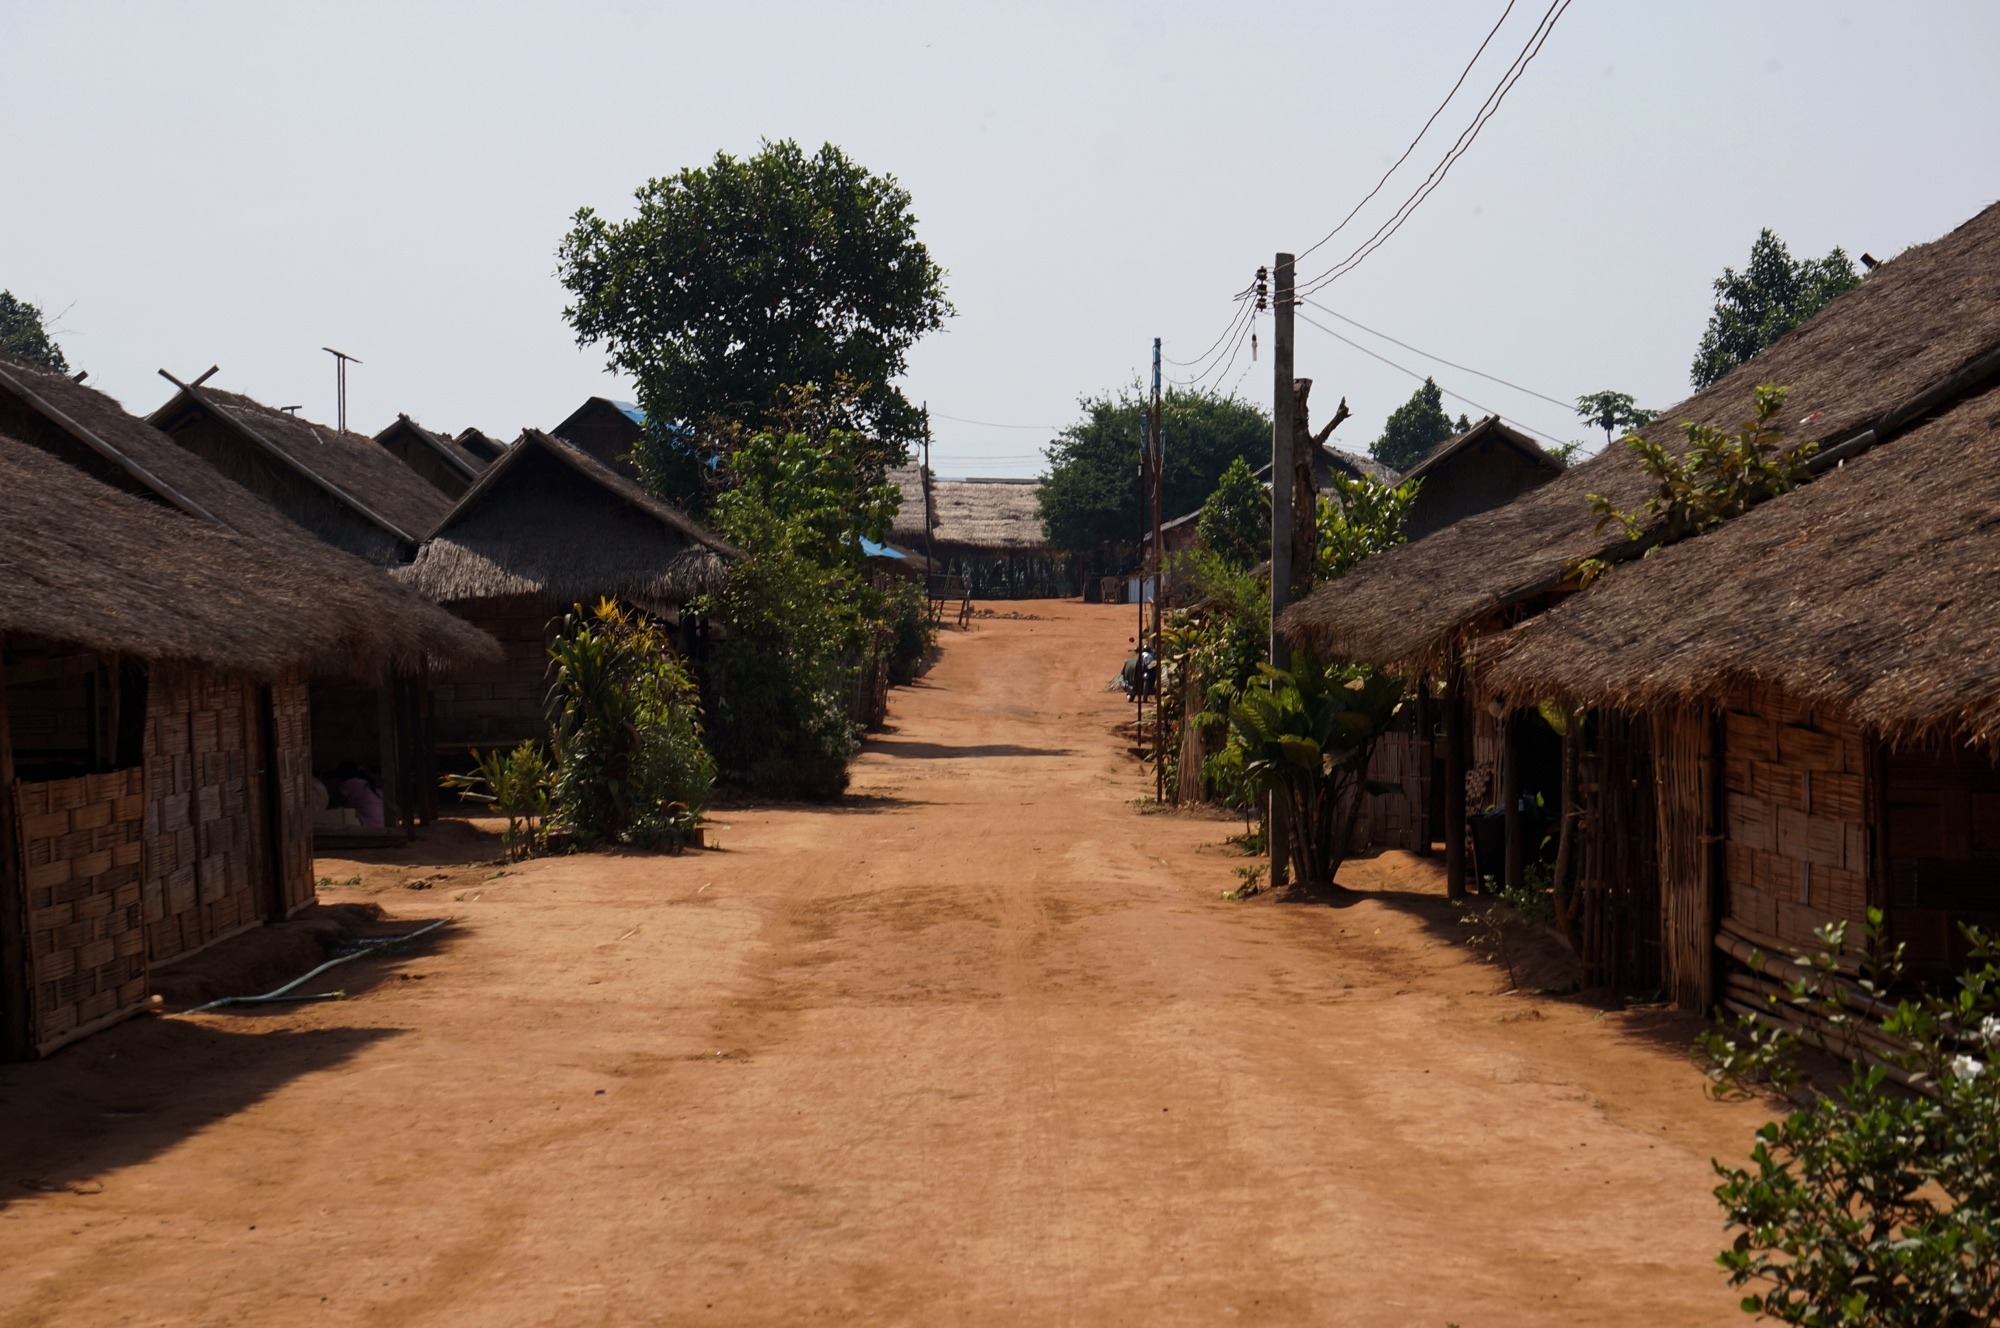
(1514, 869)
(1454, 778)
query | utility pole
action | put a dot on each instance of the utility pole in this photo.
(1277, 823)
(340, 359)
(1139, 640)
(1159, 588)
(931, 587)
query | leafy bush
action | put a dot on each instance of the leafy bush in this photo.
(1880, 1204)
(630, 765)
(517, 785)
(797, 611)
(1235, 520)
(912, 635)
(1307, 740)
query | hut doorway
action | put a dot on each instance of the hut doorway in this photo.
(1941, 854)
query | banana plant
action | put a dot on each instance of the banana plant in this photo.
(1306, 737)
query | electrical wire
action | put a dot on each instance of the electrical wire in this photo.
(1238, 297)
(1467, 137)
(1221, 366)
(1457, 396)
(1462, 76)
(1243, 317)
(989, 424)
(1491, 378)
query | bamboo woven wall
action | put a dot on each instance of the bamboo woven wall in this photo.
(206, 869)
(1796, 791)
(1397, 820)
(82, 856)
(1684, 795)
(291, 743)
(499, 705)
(1618, 882)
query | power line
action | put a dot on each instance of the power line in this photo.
(1458, 396)
(989, 424)
(1239, 298)
(1458, 149)
(1463, 74)
(1246, 311)
(1491, 378)
(1220, 367)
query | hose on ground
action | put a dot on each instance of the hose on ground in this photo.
(283, 995)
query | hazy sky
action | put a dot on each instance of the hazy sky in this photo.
(241, 184)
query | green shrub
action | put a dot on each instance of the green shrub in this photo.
(1879, 1204)
(514, 784)
(630, 767)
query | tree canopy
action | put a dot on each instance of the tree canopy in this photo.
(1415, 427)
(23, 333)
(734, 284)
(1772, 295)
(1609, 411)
(1090, 498)
(1235, 520)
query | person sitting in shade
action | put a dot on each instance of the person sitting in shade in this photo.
(359, 792)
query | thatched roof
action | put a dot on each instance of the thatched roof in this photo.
(350, 468)
(408, 441)
(83, 562)
(998, 515)
(547, 520)
(480, 446)
(1491, 429)
(1874, 590)
(1914, 323)
(1329, 461)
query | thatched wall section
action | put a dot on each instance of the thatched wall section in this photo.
(1914, 322)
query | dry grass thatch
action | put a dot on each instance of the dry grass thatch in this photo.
(547, 520)
(1913, 323)
(1494, 429)
(1001, 515)
(459, 461)
(349, 467)
(367, 619)
(83, 562)
(1874, 591)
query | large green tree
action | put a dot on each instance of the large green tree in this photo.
(1090, 497)
(1415, 427)
(1772, 295)
(733, 285)
(1609, 411)
(23, 333)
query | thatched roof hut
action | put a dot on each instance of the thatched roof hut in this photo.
(439, 458)
(1487, 466)
(607, 431)
(343, 487)
(987, 515)
(548, 521)
(1872, 591)
(1870, 361)
(481, 447)
(338, 609)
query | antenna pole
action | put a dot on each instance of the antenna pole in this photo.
(340, 359)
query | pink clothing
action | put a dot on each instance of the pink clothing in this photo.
(366, 801)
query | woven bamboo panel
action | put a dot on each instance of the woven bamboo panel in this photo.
(1619, 876)
(1684, 790)
(205, 871)
(502, 703)
(291, 740)
(1795, 815)
(1395, 820)
(82, 854)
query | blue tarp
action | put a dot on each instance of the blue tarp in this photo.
(870, 549)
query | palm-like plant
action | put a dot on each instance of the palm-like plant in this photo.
(1307, 737)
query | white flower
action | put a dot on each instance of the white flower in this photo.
(1989, 1030)
(1965, 1067)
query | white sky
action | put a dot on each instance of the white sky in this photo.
(244, 183)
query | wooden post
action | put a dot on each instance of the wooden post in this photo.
(1514, 867)
(16, 1013)
(1422, 832)
(385, 724)
(1282, 399)
(1454, 778)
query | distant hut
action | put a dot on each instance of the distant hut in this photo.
(483, 448)
(443, 461)
(158, 627)
(986, 532)
(548, 527)
(1487, 466)
(606, 431)
(1918, 333)
(352, 493)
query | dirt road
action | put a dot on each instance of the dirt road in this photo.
(982, 1046)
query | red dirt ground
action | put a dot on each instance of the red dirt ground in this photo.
(982, 1045)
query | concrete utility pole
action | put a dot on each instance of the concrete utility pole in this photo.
(1276, 821)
